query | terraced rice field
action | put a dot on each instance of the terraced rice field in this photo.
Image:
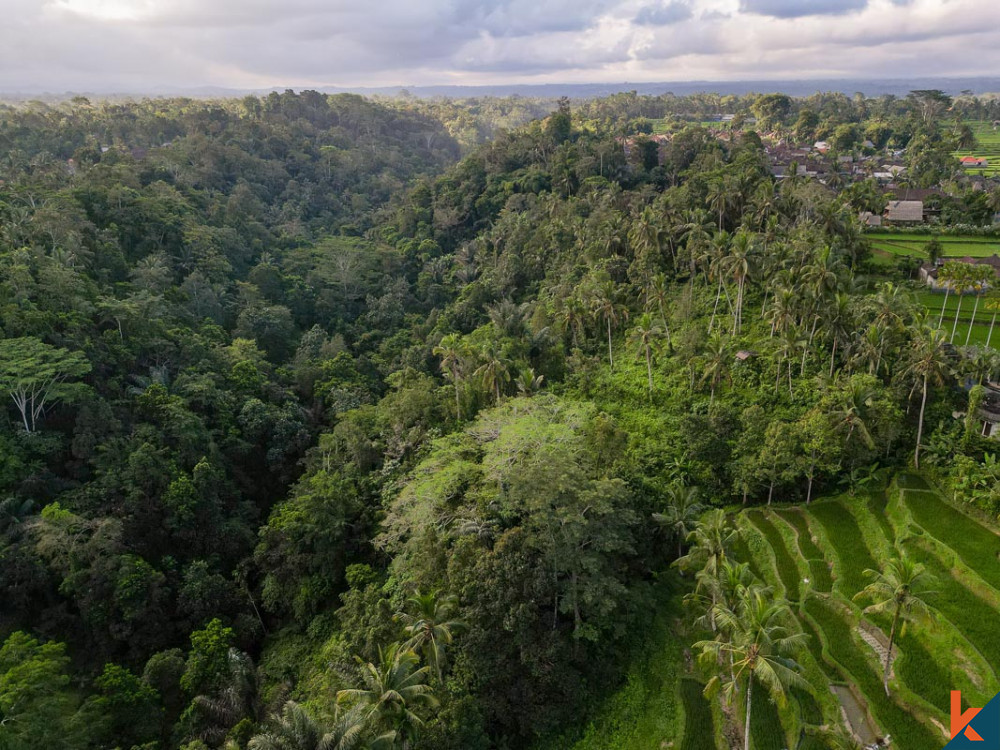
(699, 724)
(836, 540)
(987, 146)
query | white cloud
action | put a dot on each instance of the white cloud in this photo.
(145, 44)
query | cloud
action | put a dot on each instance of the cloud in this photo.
(800, 8)
(141, 45)
(664, 14)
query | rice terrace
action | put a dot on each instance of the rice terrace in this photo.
(815, 557)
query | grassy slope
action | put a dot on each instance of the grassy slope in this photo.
(957, 648)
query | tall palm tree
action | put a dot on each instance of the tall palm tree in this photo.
(644, 336)
(710, 542)
(394, 689)
(715, 364)
(947, 275)
(236, 699)
(431, 626)
(646, 236)
(681, 514)
(963, 279)
(839, 324)
(979, 277)
(607, 308)
(295, 729)
(494, 370)
(572, 318)
(657, 295)
(760, 649)
(738, 264)
(850, 410)
(900, 588)
(993, 303)
(453, 364)
(929, 364)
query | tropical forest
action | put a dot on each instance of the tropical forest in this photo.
(341, 422)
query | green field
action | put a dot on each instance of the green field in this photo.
(913, 245)
(987, 145)
(934, 302)
(805, 550)
(958, 648)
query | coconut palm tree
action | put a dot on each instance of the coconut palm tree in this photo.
(850, 410)
(494, 370)
(572, 318)
(294, 729)
(607, 308)
(394, 689)
(992, 303)
(644, 336)
(759, 650)
(528, 383)
(236, 698)
(715, 364)
(681, 514)
(979, 277)
(900, 588)
(928, 365)
(431, 626)
(453, 364)
(963, 280)
(709, 543)
(657, 295)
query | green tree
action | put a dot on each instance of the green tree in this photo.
(294, 729)
(644, 336)
(37, 706)
(453, 364)
(760, 649)
(395, 690)
(430, 627)
(681, 514)
(606, 307)
(900, 588)
(37, 376)
(929, 364)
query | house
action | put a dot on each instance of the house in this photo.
(904, 212)
(989, 412)
(821, 146)
(869, 219)
(974, 161)
(929, 273)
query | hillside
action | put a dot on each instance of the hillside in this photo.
(316, 428)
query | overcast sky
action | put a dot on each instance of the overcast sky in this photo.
(135, 45)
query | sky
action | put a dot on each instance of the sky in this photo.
(141, 45)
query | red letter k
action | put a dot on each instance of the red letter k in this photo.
(960, 721)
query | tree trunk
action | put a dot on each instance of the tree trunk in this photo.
(809, 490)
(888, 653)
(649, 371)
(993, 321)
(947, 291)
(920, 425)
(611, 360)
(458, 399)
(972, 322)
(833, 355)
(958, 311)
(770, 492)
(715, 309)
(746, 724)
